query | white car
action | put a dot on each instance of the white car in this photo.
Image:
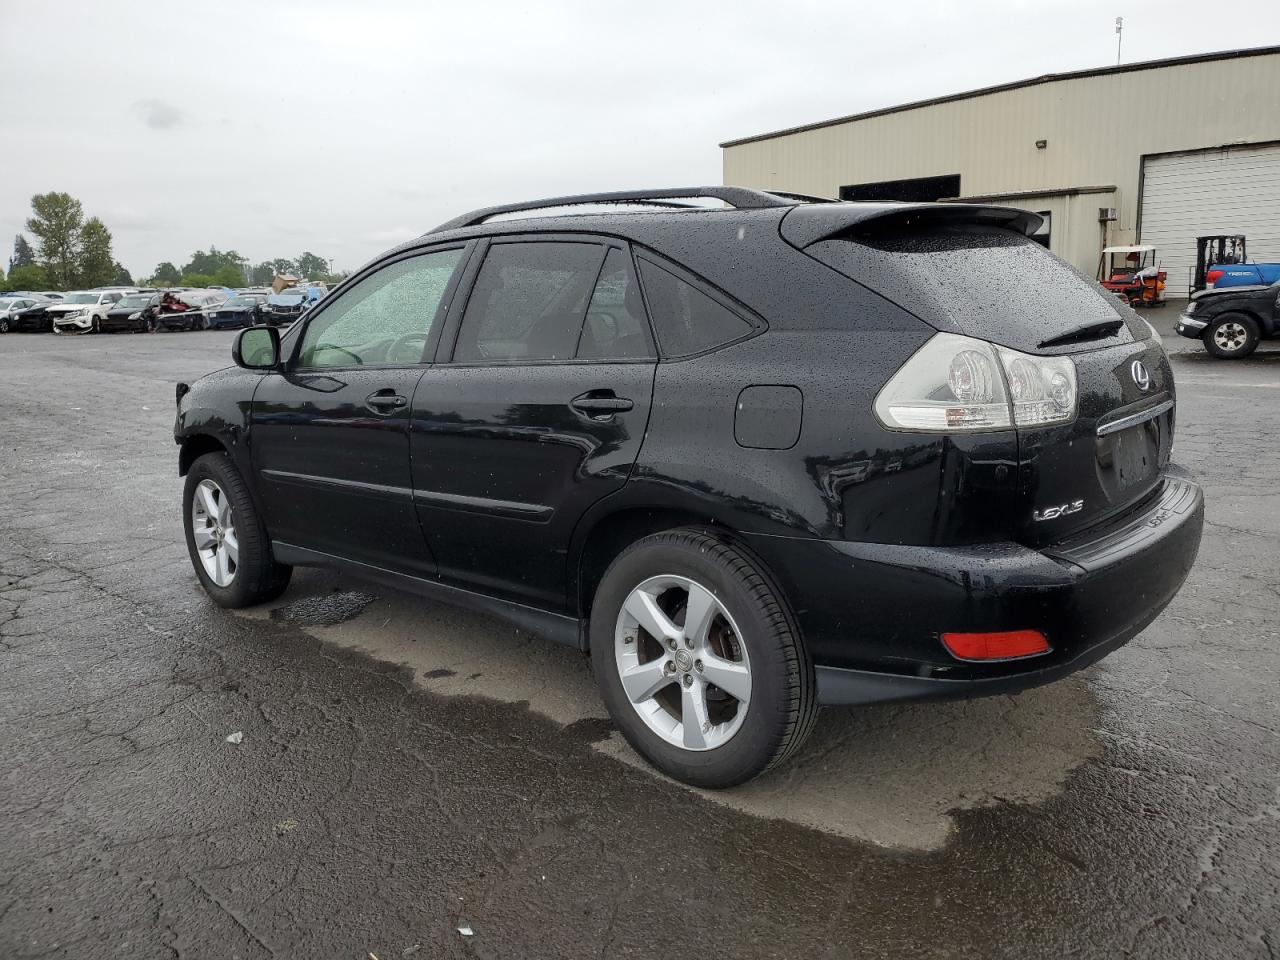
(82, 310)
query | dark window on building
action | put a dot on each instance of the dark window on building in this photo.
(916, 190)
(1041, 236)
(687, 320)
(615, 327)
(529, 301)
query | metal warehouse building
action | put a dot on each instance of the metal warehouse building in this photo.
(1158, 152)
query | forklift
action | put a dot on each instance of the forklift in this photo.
(1216, 251)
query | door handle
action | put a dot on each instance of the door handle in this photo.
(600, 404)
(384, 401)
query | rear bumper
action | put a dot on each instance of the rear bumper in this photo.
(872, 614)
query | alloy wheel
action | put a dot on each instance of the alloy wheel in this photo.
(214, 531)
(682, 664)
(1230, 336)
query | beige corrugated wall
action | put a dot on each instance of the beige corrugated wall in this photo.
(1098, 129)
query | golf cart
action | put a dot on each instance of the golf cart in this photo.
(1136, 276)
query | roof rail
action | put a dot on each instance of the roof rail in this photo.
(743, 198)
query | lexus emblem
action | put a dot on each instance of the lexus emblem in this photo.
(1138, 370)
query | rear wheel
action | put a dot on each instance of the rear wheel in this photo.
(1231, 336)
(95, 326)
(697, 660)
(226, 539)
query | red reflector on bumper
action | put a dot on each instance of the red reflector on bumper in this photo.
(1006, 645)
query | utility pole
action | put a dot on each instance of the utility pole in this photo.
(1119, 31)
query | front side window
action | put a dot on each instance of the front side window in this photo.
(687, 320)
(528, 302)
(385, 318)
(615, 327)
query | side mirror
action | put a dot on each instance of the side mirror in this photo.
(257, 348)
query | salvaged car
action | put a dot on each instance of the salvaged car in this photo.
(242, 310)
(1232, 321)
(134, 311)
(286, 306)
(14, 308)
(750, 458)
(82, 311)
(186, 309)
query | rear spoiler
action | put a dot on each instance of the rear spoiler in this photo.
(807, 224)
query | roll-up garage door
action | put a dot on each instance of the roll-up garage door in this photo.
(1195, 194)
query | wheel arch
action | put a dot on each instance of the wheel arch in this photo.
(196, 446)
(600, 540)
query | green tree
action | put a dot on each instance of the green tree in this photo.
(23, 255)
(95, 266)
(214, 260)
(228, 276)
(166, 275)
(282, 266)
(262, 275)
(31, 277)
(196, 280)
(123, 277)
(312, 267)
(56, 223)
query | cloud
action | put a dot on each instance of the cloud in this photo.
(159, 115)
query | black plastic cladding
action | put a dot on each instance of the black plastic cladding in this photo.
(859, 525)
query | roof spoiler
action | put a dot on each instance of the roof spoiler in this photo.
(810, 223)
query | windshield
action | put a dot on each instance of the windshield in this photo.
(7, 302)
(80, 298)
(134, 302)
(242, 302)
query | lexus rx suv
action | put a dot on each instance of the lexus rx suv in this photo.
(752, 458)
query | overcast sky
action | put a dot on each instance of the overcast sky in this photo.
(345, 127)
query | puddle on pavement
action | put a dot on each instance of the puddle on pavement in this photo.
(890, 775)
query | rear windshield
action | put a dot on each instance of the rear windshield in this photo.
(993, 284)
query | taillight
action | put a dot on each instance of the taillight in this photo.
(1001, 645)
(958, 384)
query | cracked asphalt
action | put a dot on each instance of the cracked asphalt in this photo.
(407, 770)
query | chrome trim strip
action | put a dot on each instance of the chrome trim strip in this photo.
(1115, 426)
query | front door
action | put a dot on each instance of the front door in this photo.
(536, 415)
(330, 433)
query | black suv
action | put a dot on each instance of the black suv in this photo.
(753, 459)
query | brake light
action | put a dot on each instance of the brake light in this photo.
(957, 384)
(1002, 645)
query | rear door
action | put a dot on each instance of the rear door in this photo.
(330, 433)
(537, 412)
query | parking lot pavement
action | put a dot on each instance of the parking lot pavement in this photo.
(406, 770)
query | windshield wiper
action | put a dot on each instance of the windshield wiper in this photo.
(1090, 331)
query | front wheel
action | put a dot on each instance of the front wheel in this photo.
(4, 324)
(226, 539)
(698, 661)
(95, 326)
(1232, 336)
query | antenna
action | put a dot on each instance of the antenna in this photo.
(1119, 32)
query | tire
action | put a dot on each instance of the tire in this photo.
(255, 576)
(95, 326)
(750, 627)
(1231, 336)
(4, 324)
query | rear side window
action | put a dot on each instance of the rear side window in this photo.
(687, 320)
(615, 327)
(529, 301)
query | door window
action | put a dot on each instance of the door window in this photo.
(528, 302)
(385, 318)
(687, 320)
(616, 327)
